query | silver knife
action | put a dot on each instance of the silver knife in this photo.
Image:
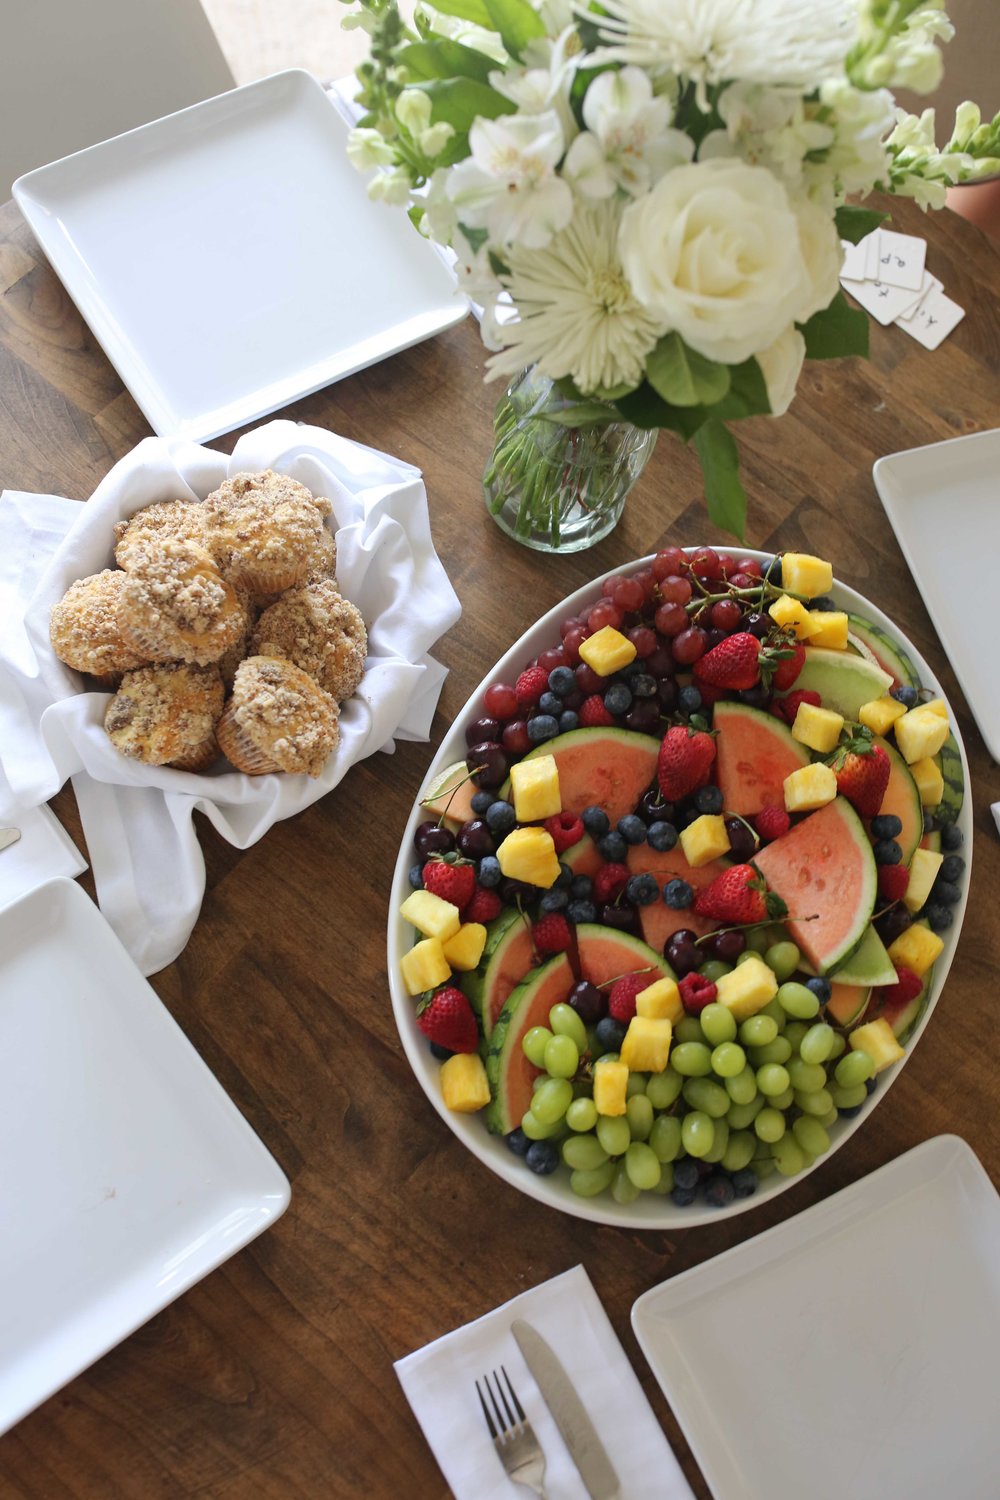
(571, 1416)
(9, 836)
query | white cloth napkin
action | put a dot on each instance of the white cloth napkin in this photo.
(138, 819)
(439, 1382)
(43, 851)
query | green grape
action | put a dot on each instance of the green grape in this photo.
(587, 1184)
(797, 1001)
(743, 1088)
(697, 1133)
(806, 1077)
(561, 1059)
(582, 1114)
(713, 970)
(782, 1100)
(811, 1136)
(583, 1152)
(817, 1044)
(642, 1166)
(739, 1116)
(757, 941)
(534, 1044)
(636, 1084)
(706, 1094)
(688, 1029)
(537, 1082)
(783, 959)
(639, 1114)
(748, 953)
(665, 1138)
(718, 1024)
(728, 1060)
(623, 1189)
(565, 1022)
(774, 1010)
(613, 1134)
(762, 1169)
(789, 1157)
(758, 1030)
(552, 1100)
(778, 1051)
(829, 1119)
(691, 1059)
(538, 1130)
(762, 1151)
(794, 1032)
(850, 1098)
(769, 1125)
(817, 1103)
(772, 1078)
(663, 1088)
(739, 1150)
(719, 1144)
(666, 1182)
(853, 1069)
(839, 1045)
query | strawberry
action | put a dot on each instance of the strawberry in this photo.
(892, 881)
(552, 934)
(609, 882)
(447, 1018)
(789, 658)
(621, 1000)
(593, 714)
(771, 822)
(684, 762)
(453, 880)
(907, 987)
(484, 906)
(862, 770)
(530, 686)
(787, 708)
(734, 663)
(696, 993)
(566, 830)
(738, 897)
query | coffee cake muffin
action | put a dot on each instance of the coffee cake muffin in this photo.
(148, 529)
(320, 631)
(278, 719)
(84, 628)
(165, 715)
(267, 532)
(176, 606)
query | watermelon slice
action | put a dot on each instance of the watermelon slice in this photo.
(511, 1075)
(609, 768)
(890, 657)
(902, 799)
(506, 959)
(754, 754)
(606, 954)
(660, 921)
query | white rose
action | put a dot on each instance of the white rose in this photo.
(714, 250)
(822, 257)
(780, 364)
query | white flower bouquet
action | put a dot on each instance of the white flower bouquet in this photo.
(648, 198)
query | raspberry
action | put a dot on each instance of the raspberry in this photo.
(609, 882)
(787, 708)
(771, 822)
(892, 881)
(907, 987)
(552, 934)
(566, 830)
(593, 714)
(483, 907)
(696, 993)
(530, 686)
(621, 1001)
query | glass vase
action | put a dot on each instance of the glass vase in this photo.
(553, 487)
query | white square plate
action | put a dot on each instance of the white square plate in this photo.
(849, 1352)
(228, 258)
(944, 505)
(127, 1172)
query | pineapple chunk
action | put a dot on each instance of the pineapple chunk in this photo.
(916, 948)
(535, 785)
(610, 1084)
(936, 706)
(464, 1083)
(831, 629)
(425, 966)
(705, 839)
(747, 989)
(431, 915)
(607, 651)
(880, 714)
(529, 854)
(660, 1001)
(801, 573)
(790, 614)
(646, 1047)
(930, 783)
(819, 728)
(878, 1040)
(809, 787)
(465, 949)
(920, 734)
(923, 872)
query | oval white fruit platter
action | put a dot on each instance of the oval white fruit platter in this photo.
(649, 1210)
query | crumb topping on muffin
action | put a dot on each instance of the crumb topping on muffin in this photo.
(84, 628)
(263, 523)
(284, 713)
(148, 529)
(175, 603)
(167, 713)
(320, 631)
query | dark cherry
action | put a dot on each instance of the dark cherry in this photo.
(682, 954)
(474, 839)
(482, 730)
(742, 843)
(893, 924)
(430, 838)
(644, 714)
(624, 918)
(666, 691)
(654, 809)
(757, 624)
(661, 662)
(588, 1002)
(489, 761)
(728, 946)
(515, 738)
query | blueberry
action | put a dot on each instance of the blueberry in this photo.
(612, 847)
(744, 1182)
(905, 695)
(718, 1190)
(820, 987)
(952, 867)
(581, 911)
(823, 603)
(755, 697)
(871, 1084)
(849, 1114)
(417, 877)
(939, 918)
(581, 887)
(542, 727)
(686, 815)
(642, 890)
(772, 571)
(554, 900)
(489, 872)
(661, 837)
(887, 826)
(568, 720)
(887, 852)
(629, 674)
(595, 821)
(609, 1034)
(549, 703)
(500, 817)
(946, 892)
(542, 1157)
(632, 829)
(441, 1053)
(481, 801)
(618, 699)
(678, 895)
(952, 837)
(682, 1196)
(644, 686)
(686, 1174)
(689, 700)
(562, 681)
(517, 1142)
(929, 823)
(709, 799)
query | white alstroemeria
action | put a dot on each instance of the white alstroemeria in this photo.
(860, 120)
(368, 148)
(771, 128)
(473, 271)
(556, 14)
(544, 79)
(628, 142)
(391, 187)
(577, 315)
(509, 185)
(780, 364)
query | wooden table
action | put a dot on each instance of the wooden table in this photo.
(274, 1376)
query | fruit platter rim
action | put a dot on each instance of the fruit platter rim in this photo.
(648, 1212)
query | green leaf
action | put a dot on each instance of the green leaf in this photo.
(836, 331)
(465, 10)
(853, 223)
(459, 101)
(586, 414)
(725, 496)
(644, 408)
(682, 376)
(517, 22)
(444, 59)
(747, 395)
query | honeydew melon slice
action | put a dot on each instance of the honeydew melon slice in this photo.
(844, 681)
(868, 965)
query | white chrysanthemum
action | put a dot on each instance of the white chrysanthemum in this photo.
(577, 313)
(796, 42)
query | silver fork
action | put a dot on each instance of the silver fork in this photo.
(513, 1435)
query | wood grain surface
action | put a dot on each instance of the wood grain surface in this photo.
(273, 1377)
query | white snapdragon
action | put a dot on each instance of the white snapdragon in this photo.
(860, 120)
(479, 38)
(391, 187)
(413, 111)
(509, 184)
(367, 149)
(919, 170)
(628, 143)
(908, 58)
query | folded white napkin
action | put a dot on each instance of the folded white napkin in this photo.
(138, 819)
(43, 851)
(439, 1382)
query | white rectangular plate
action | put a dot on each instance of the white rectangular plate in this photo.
(944, 505)
(850, 1351)
(228, 258)
(127, 1172)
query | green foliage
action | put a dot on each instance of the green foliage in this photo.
(682, 376)
(517, 22)
(442, 58)
(725, 496)
(836, 331)
(460, 100)
(853, 223)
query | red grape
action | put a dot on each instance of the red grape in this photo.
(554, 657)
(605, 613)
(646, 577)
(572, 642)
(749, 565)
(705, 563)
(689, 645)
(669, 562)
(514, 737)
(743, 581)
(588, 680)
(500, 701)
(628, 595)
(660, 662)
(726, 615)
(674, 590)
(644, 640)
(610, 584)
(671, 619)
